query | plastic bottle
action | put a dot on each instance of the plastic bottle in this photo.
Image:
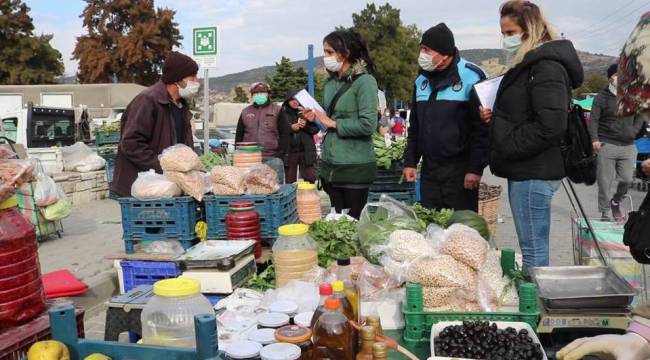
(368, 334)
(351, 289)
(325, 291)
(339, 293)
(333, 334)
(379, 351)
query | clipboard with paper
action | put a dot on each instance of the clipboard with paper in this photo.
(308, 102)
(487, 91)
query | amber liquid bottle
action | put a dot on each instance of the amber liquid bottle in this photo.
(325, 291)
(339, 293)
(332, 334)
(368, 334)
(351, 289)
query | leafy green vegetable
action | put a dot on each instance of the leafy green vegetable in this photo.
(386, 155)
(211, 160)
(109, 128)
(336, 239)
(428, 216)
(264, 280)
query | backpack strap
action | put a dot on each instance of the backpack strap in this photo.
(342, 90)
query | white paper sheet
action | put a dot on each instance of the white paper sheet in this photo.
(487, 91)
(308, 102)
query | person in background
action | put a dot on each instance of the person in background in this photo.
(397, 124)
(259, 123)
(444, 129)
(529, 121)
(156, 119)
(301, 154)
(348, 165)
(613, 139)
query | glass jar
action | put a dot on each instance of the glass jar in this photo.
(243, 223)
(297, 335)
(168, 317)
(308, 203)
(280, 351)
(263, 336)
(243, 350)
(272, 320)
(294, 253)
(247, 155)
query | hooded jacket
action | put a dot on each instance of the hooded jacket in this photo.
(301, 141)
(529, 119)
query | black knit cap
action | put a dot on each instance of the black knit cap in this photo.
(611, 70)
(177, 67)
(440, 39)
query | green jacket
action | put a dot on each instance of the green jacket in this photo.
(348, 152)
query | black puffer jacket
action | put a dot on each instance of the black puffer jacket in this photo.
(530, 114)
(301, 141)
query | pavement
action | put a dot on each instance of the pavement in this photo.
(93, 231)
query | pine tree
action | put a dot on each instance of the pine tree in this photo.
(24, 57)
(240, 95)
(127, 41)
(286, 78)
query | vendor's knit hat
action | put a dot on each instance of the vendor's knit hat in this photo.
(440, 39)
(177, 67)
(634, 71)
(260, 87)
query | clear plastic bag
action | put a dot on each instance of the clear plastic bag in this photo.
(60, 209)
(193, 183)
(181, 158)
(81, 158)
(227, 180)
(45, 191)
(6, 152)
(278, 166)
(169, 247)
(261, 180)
(379, 220)
(304, 294)
(465, 245)
(495, 290)
(153, 186)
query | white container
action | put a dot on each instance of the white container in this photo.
(437, 329)
(272, 320)
(168, 317)
(304, 319)
(263, 336)
(243, 350)
(284, 306)
(281, 351)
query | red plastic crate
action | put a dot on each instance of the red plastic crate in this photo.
(15, 342)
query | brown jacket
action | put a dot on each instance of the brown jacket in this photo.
(260, 124)
(147, 129)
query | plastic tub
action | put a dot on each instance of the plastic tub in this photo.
(280, 351)
(263, 336)
(272, 320)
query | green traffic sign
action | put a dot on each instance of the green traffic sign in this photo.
(205, 41)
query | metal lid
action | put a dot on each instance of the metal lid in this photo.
(293, 334)
(273, 319)
(281, 351)
(304, 318)
(284, 306)
(243, 350)
(263, 336)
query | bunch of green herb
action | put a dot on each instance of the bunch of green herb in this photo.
(211, 160)
(336, 239)
(109, 128)
(429, 216)
(264, 280)
(385, 154)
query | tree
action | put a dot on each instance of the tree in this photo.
(25, 57)
(319, 86)
(286, 78)
(592, 84)
(240, 95)
(393, 48)
(127, 41)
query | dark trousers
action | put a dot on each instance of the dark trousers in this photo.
(297, 161)
(344, 198)
(443, 186)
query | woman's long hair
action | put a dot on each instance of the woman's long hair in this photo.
(537, 30)
(352, 45)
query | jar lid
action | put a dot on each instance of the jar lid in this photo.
(273, 319)
(306, 186)
(263, 336)
(304, 318)
(293, 230)
(243, 349)
(293, 334)
(9, 203)
(241, 205)
(176, 287)
(284, 306)
(280, 351)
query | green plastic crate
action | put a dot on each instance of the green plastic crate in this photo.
(419, 322)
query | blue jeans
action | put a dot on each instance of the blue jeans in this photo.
(530, 202)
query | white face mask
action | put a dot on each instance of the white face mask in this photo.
(613, 85)
(331, 64)
(512, 43)
(426, 62)
(190, 90)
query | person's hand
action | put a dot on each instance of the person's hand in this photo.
(295, 127)
(615, 347)
(486, 114)
(645, 166)
(597, 145)
(472, 181)
(302, 123)
(410, 174)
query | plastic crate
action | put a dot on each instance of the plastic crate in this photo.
(137, 273)
(408, 197)
(391, 180)
(15, 342)
(643, 145)
(63, 329)
(102, 138)
(275, 210)
(164, 219)
(110, 167)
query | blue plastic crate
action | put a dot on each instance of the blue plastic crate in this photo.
(107, 138)
(408, 197)
(275, 210)
(643, 145)
(110, 166)
(165, 219)
(147, 272)
(64, 329)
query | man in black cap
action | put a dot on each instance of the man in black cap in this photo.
(445, 130)
(613, 138)
(156, 119)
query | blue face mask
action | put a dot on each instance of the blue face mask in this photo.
(260, 98)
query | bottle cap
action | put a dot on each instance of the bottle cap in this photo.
(332, 304)
(343, 261)
(176, 287)
(263, 336)
(284, 306)
(338, 286)
(273, 320)
(325, 289)
(306, 186)
(304, 318)
(293, 230)
(281, 351)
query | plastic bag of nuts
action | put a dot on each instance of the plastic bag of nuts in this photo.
(193, 183)
(180, 157)
(441, 271)
(465, 245)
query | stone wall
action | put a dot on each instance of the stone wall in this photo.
(83, 188)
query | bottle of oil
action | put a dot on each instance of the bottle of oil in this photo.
(351, 289)
(368, 334)
(325, 291)
(379, 351)
(332, 334)
(373, 320)
(339, 293)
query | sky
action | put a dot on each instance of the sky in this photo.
(256, 33)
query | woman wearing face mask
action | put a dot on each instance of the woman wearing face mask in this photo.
(302, 149)
(529, 121)
(348, 165)
(156, 119)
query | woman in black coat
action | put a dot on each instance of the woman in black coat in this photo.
(301, 154)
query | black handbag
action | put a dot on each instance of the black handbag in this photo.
(637, 232)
